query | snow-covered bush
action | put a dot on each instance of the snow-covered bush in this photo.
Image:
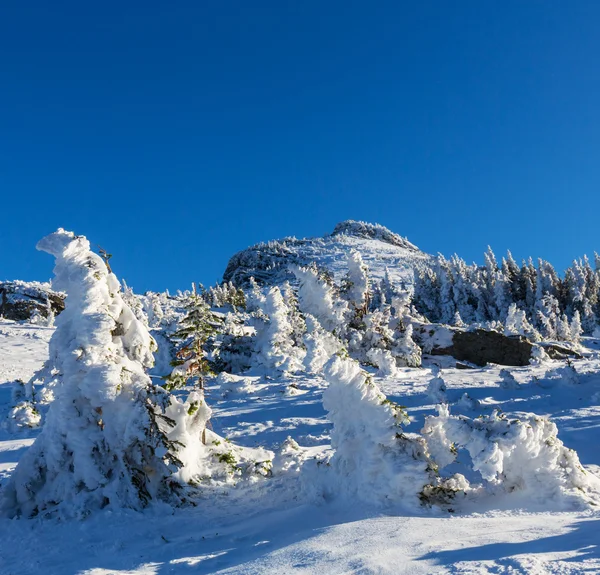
(437, 387)
(404, 349)
(25, 413)
(513, 456)
(235, 384)
(565, 374)
(467, 402)
(105, 440)
(507, 380)
(517, 324)
(206, 459)
(538, 355)
(384, 360)
(373, 460)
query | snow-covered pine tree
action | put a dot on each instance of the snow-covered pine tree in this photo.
(355, 286)
(191, 365)
(575, 329)
(373, 459)
(320, 345)
(517, 324)
(295, 317)
(318, 298)
(275, 349)
(404, 349)
(105, 439)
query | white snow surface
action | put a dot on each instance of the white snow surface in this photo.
(272, 528)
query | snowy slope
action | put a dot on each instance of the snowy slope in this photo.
(274, 527)
(379, 247)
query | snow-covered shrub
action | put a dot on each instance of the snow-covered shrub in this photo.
(507, 380)
(384, 360)
(25, 413)
(538, 355)
(406, 352)
(135, 303)
(235, 384)
(206, 458)
(437, 387)
(467, 402)
(153, 309)
(103, 442)
(565, 374)
(373, 460)
(513, 455)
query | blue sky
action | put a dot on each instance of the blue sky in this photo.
(175, 134)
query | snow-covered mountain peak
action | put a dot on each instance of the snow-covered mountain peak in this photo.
(269, 262)
(366, 230)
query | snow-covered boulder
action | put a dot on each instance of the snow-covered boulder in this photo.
(20, 301)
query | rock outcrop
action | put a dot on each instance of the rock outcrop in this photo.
(480, 346)
(19, 301)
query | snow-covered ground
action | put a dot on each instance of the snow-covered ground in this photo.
(273, 527)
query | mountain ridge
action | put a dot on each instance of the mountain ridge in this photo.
(269, 262)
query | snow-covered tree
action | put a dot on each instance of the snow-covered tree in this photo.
(575, 329)
(373, 459)
(319, 298)
(355, 287)
(275, 349)
(404, 349)
(320, 345)
(191, 365)
(105, 440)
(517, 324)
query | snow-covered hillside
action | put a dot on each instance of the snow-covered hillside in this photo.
(314, 426)
(380, 248)
(277, 527)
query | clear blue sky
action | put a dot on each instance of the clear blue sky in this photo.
(177, 133)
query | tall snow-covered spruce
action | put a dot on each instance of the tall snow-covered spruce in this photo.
(105, 441)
